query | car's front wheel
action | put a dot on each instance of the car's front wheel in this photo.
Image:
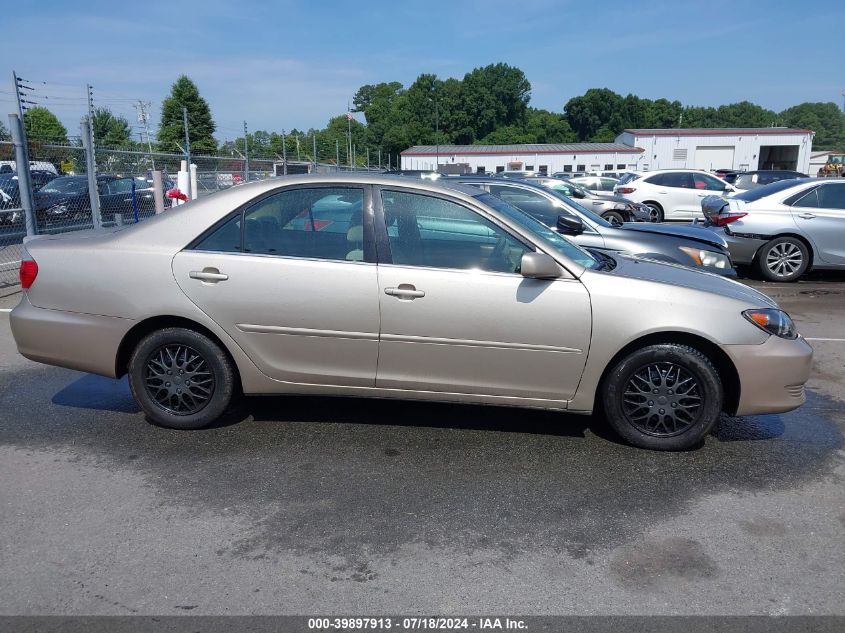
(614, 217)
(655, 212)
(180, 378)
(663, 397)
(783, 259)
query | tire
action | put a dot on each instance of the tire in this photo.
(614, 217)
(637, 386)
(656, 211)
(783, 259)
(183, 350)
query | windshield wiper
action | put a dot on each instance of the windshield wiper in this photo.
(606, 262)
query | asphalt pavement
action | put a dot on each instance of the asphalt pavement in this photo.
(343, 506)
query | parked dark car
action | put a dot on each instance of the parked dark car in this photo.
(753, 179)
(613, 208)
(10, 195)
(696, 247)
(66, 200)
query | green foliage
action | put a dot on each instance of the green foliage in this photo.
(111, 130)
(43, 126)
(171, 133)
(826, 119)
(4, 133)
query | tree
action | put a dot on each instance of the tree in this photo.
(494, 96)
(4, 133)
(43, 126)
(111, 130)
(201, 127)
(597, 109)
(825, 119)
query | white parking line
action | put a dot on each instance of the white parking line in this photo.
(835, 340)
(5, 309)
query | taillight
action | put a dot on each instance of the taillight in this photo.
(625, 190)
(29, 271)
(721, 219)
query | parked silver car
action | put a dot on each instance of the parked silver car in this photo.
(786, 228)
(615, 209)
(395, 288)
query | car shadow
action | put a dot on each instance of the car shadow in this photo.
(106, 394)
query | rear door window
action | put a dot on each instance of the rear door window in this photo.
(678, 180)
(831, 196)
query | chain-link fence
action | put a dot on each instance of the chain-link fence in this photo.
(124, 180)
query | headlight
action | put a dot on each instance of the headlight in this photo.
(57, 209)
(773, 321)
(711, 259)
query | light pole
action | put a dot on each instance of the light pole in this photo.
(436, 124)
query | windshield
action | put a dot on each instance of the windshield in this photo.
(66, 185)
(566, 187)
(767, 190)
(627, 177)
(553, 240)
(584, 211)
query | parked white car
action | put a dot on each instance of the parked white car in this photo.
(673, 194)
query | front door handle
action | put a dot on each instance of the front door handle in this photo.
(806, 216)
(208, 275)
(405, 291)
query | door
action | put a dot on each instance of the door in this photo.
(820, 214)
(677, 195)
(705, 186)
(711, 157)
(456, 315)
(293, 281)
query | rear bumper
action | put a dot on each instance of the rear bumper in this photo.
(85, 342)
(771, 375)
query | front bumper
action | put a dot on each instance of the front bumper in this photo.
(771, 375)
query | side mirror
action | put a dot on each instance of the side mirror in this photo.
(570, 225)
(539, 266)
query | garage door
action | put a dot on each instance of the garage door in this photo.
(711, 157)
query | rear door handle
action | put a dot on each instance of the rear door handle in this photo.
(806, 216)
(405, 291)
(211, 275)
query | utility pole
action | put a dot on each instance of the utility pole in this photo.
(284, 154)
(89, 91)
(187, 149)
(379, 158)
(20, 85)
(91, 169)
(246, 155)
(297, 148)
(143, 119)
(24, 180)
(314, 151)
(337, 152)
(349, 134)
(368, 159)
(388, 161)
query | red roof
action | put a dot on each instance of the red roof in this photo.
(719, 131)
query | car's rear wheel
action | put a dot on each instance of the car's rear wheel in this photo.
(663, 397)
(180, 378)
(614, 217)
(783, 259)
(655, 211)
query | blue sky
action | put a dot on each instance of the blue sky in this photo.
(282, 64)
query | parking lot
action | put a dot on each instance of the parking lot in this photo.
(385, 507)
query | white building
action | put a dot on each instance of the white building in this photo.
(549, 157)
(743, 149)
